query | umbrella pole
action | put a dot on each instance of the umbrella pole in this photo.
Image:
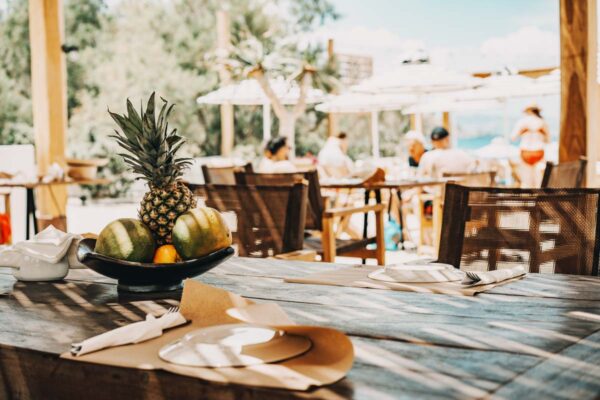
(266, 122)
(375, 133)
(505, 120)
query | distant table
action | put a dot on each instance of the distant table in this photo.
(537, 338)
(30, 186)
(376, 187)
(391, 184)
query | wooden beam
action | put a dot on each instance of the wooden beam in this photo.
(574, 51)
(49, 96)
(593, 98)
(332, 118)
(223, 43)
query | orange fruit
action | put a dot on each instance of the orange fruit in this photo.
(166, 254)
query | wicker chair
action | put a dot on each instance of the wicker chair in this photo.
(550, 230)
(320, 218)
(270, 219)
(222, 175)
(565, 175)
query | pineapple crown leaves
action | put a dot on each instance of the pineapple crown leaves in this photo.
(151, 147)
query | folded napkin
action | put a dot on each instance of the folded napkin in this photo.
(49, 245)
(9, 257)
(55, 173)
(485, 278)
(137, 332)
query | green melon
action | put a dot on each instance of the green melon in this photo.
(199, 232)
(126, 239)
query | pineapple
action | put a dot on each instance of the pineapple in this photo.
(151, 154)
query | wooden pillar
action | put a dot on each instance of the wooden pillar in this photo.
(223, 43)
(375, 133)
(574, 52)
(332, 118)
(49, 96)
(446, 120)
(593, 98)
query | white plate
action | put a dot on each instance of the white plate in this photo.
(234, 345)
(417, 273)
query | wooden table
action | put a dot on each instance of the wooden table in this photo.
(535, 338)
(30, 186)
(388, 184)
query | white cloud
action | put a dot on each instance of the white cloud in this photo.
(386, 47)
(529, 47)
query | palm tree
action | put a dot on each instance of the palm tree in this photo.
(256, 54)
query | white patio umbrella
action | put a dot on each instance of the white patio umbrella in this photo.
(417, 79)
(503, 87)
(412, 80)
(248, 92)
(355, 103)
(442, 104)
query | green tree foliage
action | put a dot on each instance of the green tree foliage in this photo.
(129, 48)
(15, 78)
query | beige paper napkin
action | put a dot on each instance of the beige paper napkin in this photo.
(359, 277)
(133, 333)
(329, 359)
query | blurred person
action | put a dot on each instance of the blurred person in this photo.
(443, 158)
(275, 159)
(415, 143)
(534, 133)
(333, 158)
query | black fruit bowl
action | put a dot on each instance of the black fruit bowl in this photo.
(148, 277)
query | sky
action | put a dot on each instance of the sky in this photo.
(467, 34)
(462, 35)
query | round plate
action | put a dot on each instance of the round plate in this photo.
(417, 273)
(234, 345)
(148, 277)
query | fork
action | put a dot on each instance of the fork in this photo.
(473, 277)
(170, 311)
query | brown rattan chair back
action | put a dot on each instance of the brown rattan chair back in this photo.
(222, 175)
(565, 175)
(316, 203)
(270, 219)
(474, 179)
(550, 230)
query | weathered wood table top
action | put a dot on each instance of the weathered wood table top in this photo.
(535, 338)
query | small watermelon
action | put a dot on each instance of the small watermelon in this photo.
(126, 239)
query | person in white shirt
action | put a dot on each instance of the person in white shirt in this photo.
(275, 159)
(332, 158)
(534, 134)
(442, 158)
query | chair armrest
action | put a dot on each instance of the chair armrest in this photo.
(344, 211)
(298, 255)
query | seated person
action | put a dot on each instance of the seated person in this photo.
(275, 159)
(415, 142)
(444, 159)
(333, 159)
